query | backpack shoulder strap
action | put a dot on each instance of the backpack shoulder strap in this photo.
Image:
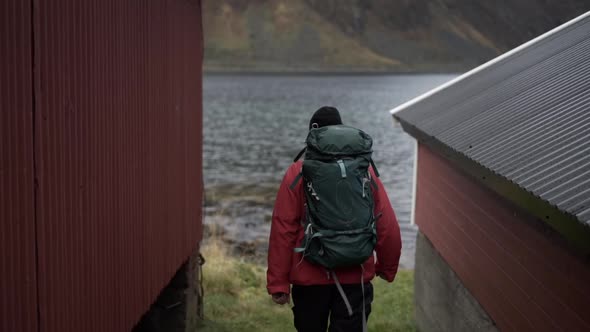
(373, 182)
(300, 154)
(374, 167)
(297, 178)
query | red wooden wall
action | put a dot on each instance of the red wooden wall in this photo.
(105, 113)
(525, 279)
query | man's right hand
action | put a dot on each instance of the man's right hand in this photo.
(382, 276)
(280, 298)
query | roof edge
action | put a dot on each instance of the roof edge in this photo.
(568, 226)
(487, 64)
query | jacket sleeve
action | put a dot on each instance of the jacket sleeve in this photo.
(389, 243)
(283, 232)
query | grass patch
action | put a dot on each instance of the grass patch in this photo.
(393, 306)
(236, 298)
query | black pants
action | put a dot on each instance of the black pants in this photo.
(314, 304)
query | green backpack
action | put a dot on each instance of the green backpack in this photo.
(339, 211)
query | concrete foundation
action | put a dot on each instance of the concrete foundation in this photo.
(442, 302)
(179, 307)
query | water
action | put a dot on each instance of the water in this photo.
(255, 125)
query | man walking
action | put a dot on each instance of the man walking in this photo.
(333, 229)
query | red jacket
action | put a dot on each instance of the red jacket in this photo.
(285, 267)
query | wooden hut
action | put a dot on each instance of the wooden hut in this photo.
(100, 170)
(503, 190)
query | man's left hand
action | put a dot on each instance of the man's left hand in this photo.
(281, 298)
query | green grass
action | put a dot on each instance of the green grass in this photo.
(236, 298)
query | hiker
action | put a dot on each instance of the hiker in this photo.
(330, 237)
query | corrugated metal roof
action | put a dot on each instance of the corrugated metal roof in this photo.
(524, 116)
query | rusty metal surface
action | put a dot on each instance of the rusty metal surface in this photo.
(118, 153)
(18, 296)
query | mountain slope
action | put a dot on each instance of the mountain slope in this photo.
(275, 35)
(372, 35)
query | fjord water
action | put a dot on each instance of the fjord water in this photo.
(254, 125)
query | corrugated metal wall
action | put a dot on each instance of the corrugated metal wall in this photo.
(524, 277)
(117, 149)
(18, 296)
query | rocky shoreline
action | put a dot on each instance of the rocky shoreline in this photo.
(240, 215)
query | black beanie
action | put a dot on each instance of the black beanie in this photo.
(325, 116)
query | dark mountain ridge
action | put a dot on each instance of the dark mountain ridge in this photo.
(372, 35)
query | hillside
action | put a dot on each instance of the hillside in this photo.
(372, 35)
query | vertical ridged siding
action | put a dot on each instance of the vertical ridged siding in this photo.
(523, 275)
(118, 149)
(18, 297)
